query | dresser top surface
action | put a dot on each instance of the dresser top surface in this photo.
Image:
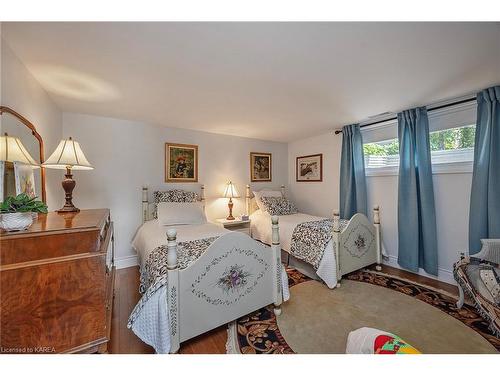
(53, 221)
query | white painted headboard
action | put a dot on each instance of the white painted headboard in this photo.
(251, 205)
(148, 207)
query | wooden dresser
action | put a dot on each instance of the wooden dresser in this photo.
(56, 284)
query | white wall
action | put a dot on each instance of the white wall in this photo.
(317, 198)
(21, 92)
(452, 197)
(128, 154)
(452, 194)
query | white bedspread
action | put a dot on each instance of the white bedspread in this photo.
(151, 235)
(262, 231)
(152, 325)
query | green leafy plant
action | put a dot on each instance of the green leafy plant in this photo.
(22, 203)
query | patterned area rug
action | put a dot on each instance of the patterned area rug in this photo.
(258, 333)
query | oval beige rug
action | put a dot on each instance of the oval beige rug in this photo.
(318, 320)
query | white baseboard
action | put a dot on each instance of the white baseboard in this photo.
(128, 261)
(443, 274)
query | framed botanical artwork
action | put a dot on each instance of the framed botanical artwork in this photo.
(25, 179)
(309, 168)
(181, 163)
(260, 166)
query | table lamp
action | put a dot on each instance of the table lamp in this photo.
(231, 192)
(68, 155)
(12, 149)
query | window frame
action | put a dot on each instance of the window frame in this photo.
(448, 118)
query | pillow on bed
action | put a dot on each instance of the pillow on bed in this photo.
(178, 213)
(265, 193)
(174, 195)
(278, 206)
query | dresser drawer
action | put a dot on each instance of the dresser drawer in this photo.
(57, 283)
(57, 306)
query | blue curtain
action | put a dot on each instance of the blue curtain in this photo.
(484, 216)
(352, 173)
(416, 212)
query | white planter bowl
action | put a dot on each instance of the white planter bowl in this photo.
(16, 221)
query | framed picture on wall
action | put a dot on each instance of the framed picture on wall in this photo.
(25, 179)
(181, 163)
(260, 166)
(309, 168)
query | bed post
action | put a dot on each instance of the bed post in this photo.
(376, 223)
(145, 205)
(283, 193)
(336, 243)
(276, 249)
(247, 199)
(202, 193)
(173, 290)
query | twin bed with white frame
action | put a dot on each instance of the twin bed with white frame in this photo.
(234, 276)
(354, 244)
(199, 276)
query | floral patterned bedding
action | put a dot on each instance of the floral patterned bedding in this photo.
(153, 274)
(149, 319)
(309, 240)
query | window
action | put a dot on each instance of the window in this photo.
(451, 150)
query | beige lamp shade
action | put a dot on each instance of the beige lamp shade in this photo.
(68, 154)
(231, 191)
(12, 149)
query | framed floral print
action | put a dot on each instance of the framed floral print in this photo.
(181, 162)
(309, 168)
(260, 166)
(25, 179)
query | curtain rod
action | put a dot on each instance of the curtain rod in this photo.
(430, 110)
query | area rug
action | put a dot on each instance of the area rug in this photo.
(317, 320)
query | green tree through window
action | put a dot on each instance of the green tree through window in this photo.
(449, 139)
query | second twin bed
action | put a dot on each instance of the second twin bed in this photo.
(317, 246)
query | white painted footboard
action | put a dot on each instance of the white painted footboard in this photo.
(235, 276)
(358, 245)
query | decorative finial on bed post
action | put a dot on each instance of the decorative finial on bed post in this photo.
(376, 215)
(172, 249)
(145, 205)
(276, 230)
(202, 194)
(247, 199)
(336, 221)
(283, 191)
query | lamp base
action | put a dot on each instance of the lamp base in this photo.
(68, 185)
(68, 209)
(230, 205)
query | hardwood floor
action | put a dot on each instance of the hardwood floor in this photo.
(123, 340)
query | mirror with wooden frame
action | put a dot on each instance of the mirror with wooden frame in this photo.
(15, 125)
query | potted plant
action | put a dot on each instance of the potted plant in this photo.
(17, 212)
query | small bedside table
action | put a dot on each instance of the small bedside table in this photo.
(236, 225)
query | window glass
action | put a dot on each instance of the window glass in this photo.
(447, 146)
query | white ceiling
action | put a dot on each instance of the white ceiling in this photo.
(274, 81)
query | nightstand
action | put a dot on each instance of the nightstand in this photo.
(236, 225)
